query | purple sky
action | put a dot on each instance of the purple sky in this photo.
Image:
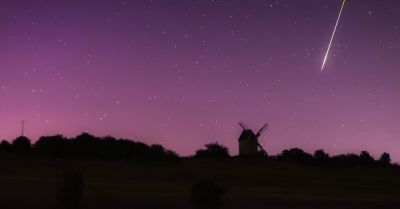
(183, 72)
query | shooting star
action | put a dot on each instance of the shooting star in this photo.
(333, 35)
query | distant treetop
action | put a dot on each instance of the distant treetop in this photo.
(213, 150)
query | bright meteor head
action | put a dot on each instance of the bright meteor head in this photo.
(325, 57)
(333, 35)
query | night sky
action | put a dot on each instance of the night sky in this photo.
(183, 73)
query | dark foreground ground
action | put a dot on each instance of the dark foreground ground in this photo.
(31, 182)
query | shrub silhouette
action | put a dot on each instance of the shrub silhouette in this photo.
(70, 190)
(213, 150)
(206, 194)
(21, 144)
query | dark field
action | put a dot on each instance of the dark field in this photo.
(31, 182)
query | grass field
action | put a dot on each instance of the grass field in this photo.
(31, 182)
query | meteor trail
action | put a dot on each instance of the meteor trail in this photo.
(333, 35)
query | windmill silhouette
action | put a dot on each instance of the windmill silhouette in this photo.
(248, 141)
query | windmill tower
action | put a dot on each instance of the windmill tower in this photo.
(248, 141)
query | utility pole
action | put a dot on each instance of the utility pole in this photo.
(22, 128)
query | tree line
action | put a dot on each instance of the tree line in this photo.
(321, 158)
(109, 148)
(88, 146)
(297, 155)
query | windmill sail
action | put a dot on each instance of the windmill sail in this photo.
(248, 141)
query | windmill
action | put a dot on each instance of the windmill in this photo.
(248, 141)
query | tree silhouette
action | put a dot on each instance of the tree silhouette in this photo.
(83, 145)
(206, 194)
(171, 155)
(385, 159)
(158, 152)
(320, 157)
(366, 158)
(21, 144)
(86, 145)
(213, 150)
(295, 155)
(346, 160)
(107, 148)
(5, 145)
(70, 190)
(51, 145)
